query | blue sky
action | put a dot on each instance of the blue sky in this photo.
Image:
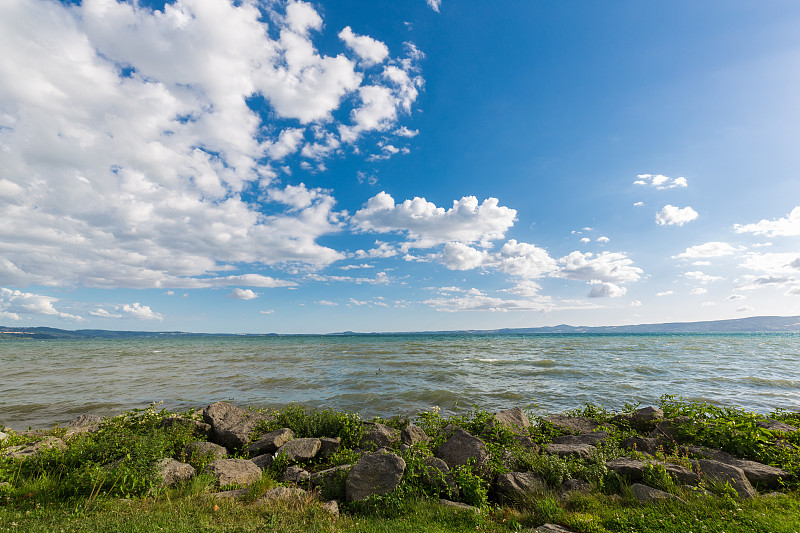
(291, 167)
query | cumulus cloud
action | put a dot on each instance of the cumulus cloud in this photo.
(660, 181)
(603, 239)
(14, 304)
(736, 297)
(133, 140)
(102, 313)
(710, 249)
(434, 4)
(698, 290)
(702, 277)
(675, 216)
(665, 293)
(606, 290)
(427, 225)
(242, 294)
(525, 260)
(788, 226)
(608, 267)
(772, 269)
(141, 312)
(476, 300)
(458, 256)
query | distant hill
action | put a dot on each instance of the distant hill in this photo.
(757, 324)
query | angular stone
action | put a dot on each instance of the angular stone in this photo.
(204, 449)
(234, 471)
(299, 449)
(515, 419)
(581, 451)
(230, 494)
(263, 461)
(633, 470)
(270, 442)
(295, 474)
(379, 436)
(587, 438)
(668, 429)
(412, 434)
(332, 506)
(553, 528)
(437, 476)
(642, 444)
(647, 415)
(462, 447)
(22, 452)
(723, 473)
(459, 506)
(83, 424)
(199, 429)
(231, 425)
(764, 476)
(284, 493)
(171, 471)
(3, 436)
(374, 474)
(775, 425)
(321, 478)
(329, 446)
(572, 424)
(514, 486)
(643, 493)
(576, 485)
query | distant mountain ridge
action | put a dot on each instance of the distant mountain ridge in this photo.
(758, 324)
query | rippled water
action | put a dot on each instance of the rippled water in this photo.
(46, 382)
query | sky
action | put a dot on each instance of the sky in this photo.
(271, 166)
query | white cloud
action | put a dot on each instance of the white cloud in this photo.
(603, 239)
(370, 51)
(710, 249)
(242, 294)
(354, 267)
(636, 303)
(698, 290)
(405, 132)
(102, 313)
(773, 269)
(660, 181)
(458, 256)
(267, 312)
(606, 290)
(476, 300)
(427, 225)
(327, 303)
(130, 155)
(15, 303)
(525, 260)
(665, 293)
(736, 297)
(787, 226)
(638, 204)
(608, 267)
(586, 240)
(141, 312)
(708, 304)
(744, 309)
(675, 216)
(434, 4)
(702, 277)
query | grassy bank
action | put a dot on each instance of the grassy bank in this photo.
(106, 480)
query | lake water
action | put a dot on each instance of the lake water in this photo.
(47, 382)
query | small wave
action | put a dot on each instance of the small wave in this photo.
(158, 351)
(488, 360)
(546, 363)
(778, 383)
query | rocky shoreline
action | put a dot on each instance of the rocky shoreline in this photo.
(650, 460)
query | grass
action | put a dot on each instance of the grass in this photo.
(106, 481)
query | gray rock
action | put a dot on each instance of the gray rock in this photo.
(263, 461)
(514, 486)
(553, 528)
(723, 473)
(448, 430)
(668, 429)
(759, 474)
(460, 448)
(3, 436)
(234, 471)
(299, 449)
(587, 438)
(230, 494)
(437, 476)
(321, 478)
(775, 425)
(295, 474)
(374, 474)
(515, 419)
(575, 485)
(572, 424)
(633, 470)
(171, 471)
(379, 436)
(83, 424)
(329, 446)
(34, 448)
(581, 451)
(270, 442)
(231, 425)
(459, 506)
(199, 429)
(412, 434)
(284, 493)
(205, 450)
(642, 444)
(647, 415)
(643, 493)
(332, 506)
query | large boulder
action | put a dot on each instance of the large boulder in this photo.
(379, 436)
(83, 424)
(515, 486)
(722, 473)
(460, 448)
(437, 476)
(647, 445)
(581, 451)
(669, 428)
(299, 449)
(643, 493)
(171, 471)
(374, 473)
(577, 425)
(329, 446)
(295, 474)
(412, 434)
(204, 450)
(515, 419)
(587, 438)
(234, 471)
(263, 461)
(231, 426)
(633, 470)
(198, 428)
(758, 474)
(33, 448)
(284, 493)
(270, 442)
(775, 425)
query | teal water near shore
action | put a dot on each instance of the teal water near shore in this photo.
(51, 381)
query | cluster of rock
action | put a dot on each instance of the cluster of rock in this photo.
(227, 430)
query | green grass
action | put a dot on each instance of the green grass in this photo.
(105, 481)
